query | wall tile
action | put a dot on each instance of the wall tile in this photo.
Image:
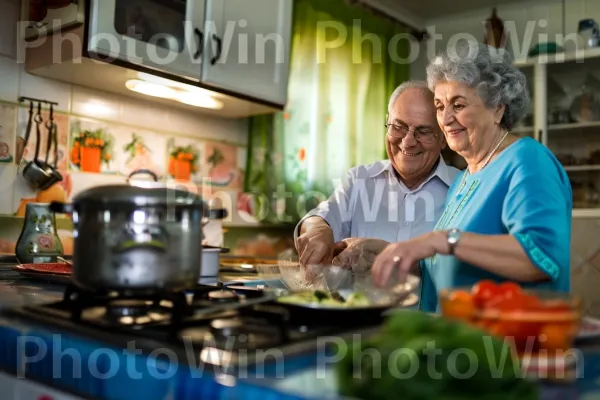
(585, 283)
(91, 158)
(96, 104)
(8, 123)
(82, 181)
(43, 88)
(62, 125)
(221, 166)
(147, 115)
(209, 127)
(8, 174)
(139, 149)
(9, 76)
(22, 193)
(179, 160)
(582, 248)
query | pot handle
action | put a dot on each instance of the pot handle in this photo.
(142, 171)
(217, 213)
(61, 208)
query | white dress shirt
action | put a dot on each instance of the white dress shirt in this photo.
(372, 202)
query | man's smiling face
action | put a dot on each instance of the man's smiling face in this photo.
(412, 159)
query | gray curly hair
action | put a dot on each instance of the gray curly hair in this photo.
(488, 70)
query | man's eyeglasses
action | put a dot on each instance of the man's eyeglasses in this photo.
(424, 135)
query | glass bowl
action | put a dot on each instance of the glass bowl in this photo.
(533, 320)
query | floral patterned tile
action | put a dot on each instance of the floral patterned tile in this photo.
(138, 149)
(221, 163)
(92, 147)
(62, 126)
(8, 122)
(184, 159)
(22, 194)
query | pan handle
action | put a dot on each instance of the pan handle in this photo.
(61, 208)
(142, 171)
(217, 213)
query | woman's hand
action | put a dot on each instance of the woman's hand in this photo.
(357, 254)
(406, 255)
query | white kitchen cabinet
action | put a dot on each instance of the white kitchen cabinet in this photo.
(162, 35)
(237, 49)
(566, 118)
(248, 47)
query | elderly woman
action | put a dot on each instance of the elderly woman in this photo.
(508, 215)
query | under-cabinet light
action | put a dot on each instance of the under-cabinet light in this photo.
(150, 89)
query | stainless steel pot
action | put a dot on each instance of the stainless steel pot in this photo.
(211, 260)
(137, 239)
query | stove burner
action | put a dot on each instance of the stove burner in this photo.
(226, 327)
(127, 312)
(233, 334)
(223, 296)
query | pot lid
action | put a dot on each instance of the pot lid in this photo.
(151, 194)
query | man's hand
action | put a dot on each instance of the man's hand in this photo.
(315, 244)
(357, 254)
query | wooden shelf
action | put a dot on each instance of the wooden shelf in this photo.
(559, 58)
(559, 127)
(581, 168)
(586, 212)
(574, 125)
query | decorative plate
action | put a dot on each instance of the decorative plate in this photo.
(47, 268)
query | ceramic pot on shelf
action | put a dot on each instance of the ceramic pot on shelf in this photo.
(38, 241)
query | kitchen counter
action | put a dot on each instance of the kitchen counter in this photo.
(17, 290)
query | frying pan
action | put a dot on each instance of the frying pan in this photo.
(341, 316)
(345, 282)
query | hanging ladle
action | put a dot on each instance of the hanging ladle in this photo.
(52, 140)
(35, 171)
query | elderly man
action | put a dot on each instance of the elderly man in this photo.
(391, 200)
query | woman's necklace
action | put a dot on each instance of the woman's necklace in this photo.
(487, 160)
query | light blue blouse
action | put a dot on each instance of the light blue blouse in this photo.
(524, 192)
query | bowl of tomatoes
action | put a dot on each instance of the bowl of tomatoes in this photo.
(533, 320)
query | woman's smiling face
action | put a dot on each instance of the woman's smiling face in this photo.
(463, 116)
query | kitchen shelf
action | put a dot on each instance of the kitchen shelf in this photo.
(522, 130)
(580, 168)
(559, 127)
(555, 81)
(559, 58)
(574, 125)
(586, 213)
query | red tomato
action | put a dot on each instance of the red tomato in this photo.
(530, 302)
(459, 306)
(483, 292)
(505, 303)
(509, 289)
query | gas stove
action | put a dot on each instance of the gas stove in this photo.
(198, 344)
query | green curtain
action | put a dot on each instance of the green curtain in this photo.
(337, 101)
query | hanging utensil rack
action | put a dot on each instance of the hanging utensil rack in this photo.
(48, 102)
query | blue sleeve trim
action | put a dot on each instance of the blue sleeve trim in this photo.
(538, 257)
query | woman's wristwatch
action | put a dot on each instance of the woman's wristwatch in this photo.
(453, 239)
